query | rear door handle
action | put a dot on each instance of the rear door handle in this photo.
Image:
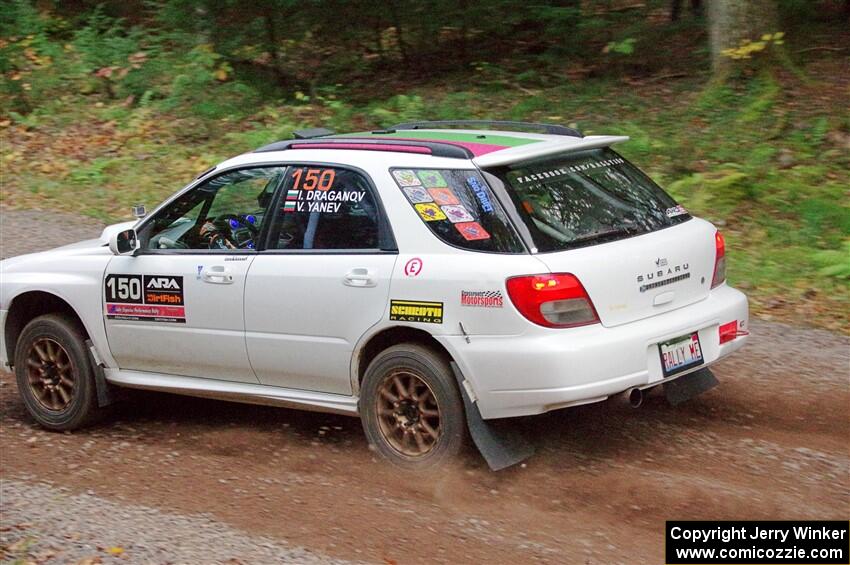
(360, 277)
(217, 274)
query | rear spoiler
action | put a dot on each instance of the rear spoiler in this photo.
(545, 149)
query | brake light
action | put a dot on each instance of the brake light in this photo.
(552, 300)
(719, 260)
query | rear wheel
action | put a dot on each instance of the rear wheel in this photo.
(411, 408)
(54, 375)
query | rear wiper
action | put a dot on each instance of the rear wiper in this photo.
(603, 234)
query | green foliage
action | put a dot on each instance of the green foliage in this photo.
(125, 106)
(835, 263)
(401, 108)
(624, 47)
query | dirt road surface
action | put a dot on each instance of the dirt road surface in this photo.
(771, 442)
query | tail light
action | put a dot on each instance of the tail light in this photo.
(719, 260)
(552, 300)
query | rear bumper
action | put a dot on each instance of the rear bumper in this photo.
(545, 370)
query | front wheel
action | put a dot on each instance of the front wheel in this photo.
(411, 408)
(54, 375)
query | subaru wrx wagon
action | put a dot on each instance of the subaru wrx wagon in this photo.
(428, 278)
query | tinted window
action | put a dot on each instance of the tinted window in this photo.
(587, 197)
(223, 213)
(459, 208)
(327, 208)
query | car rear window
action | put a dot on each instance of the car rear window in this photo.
(587, 197)
(459, 208)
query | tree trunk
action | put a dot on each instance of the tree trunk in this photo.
(731, 21)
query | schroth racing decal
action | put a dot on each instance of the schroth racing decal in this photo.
(151, 298)
(416, 311)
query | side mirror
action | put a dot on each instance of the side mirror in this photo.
(124, 242)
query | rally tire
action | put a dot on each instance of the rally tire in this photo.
(54, 375)
(419, 424)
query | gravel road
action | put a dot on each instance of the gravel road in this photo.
(49, 524)
(771, 442)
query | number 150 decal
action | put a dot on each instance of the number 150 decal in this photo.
(151, 298)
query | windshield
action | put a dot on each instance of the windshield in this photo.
(587, 197)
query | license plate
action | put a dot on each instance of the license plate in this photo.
(680, 354)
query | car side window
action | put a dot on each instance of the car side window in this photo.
(327, 208)
(224, 213)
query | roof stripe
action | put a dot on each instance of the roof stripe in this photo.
(478, 144)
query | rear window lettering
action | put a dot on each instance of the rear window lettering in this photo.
(459, 208)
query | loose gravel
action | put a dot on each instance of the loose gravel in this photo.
(49, 525)
(28, 231)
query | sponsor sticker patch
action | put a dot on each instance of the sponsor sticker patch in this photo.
(152, 298)
(413, 267)
(443, 196)
(432, 179)
(416, 311)
(676, 211)
(416, 194)
(480, 193)
(457, 214)
(482, 298)
(430, 212)
(406, 177)
(472, 231)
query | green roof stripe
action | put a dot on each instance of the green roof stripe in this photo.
(504, 140)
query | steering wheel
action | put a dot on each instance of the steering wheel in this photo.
(237, 223)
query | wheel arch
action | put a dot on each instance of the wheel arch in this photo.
(30, 305)
(388, 337)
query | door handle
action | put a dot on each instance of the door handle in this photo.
(217, 275)
(360, 277)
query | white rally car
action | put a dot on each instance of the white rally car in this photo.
(426, 278)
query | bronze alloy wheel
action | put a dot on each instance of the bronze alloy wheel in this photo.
(50, 374)
(408, 413)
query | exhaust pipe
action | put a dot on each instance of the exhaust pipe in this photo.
(633, 397)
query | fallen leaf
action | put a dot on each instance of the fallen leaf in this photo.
(115, 550)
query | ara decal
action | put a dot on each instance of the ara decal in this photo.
(150, 298)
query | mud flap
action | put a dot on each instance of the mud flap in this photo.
(105, 393)
(684, 388)
(499, 442)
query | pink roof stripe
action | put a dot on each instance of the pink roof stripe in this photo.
(364, 146)
(477, 149)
